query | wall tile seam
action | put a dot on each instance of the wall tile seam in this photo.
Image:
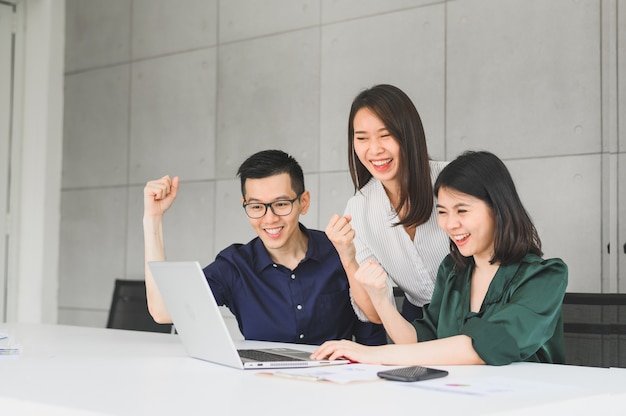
(540, 157)
(240, 40)
(79, 308)
(322, 24)
(95, 68)
(322, 172)
(385, 13)
(137, 60)
(101, 187)
(136, 184)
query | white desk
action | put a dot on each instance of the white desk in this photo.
(69, 370)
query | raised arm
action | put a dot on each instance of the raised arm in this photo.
(341, 234)
(158, 196)
(455, 350)
(373, 278)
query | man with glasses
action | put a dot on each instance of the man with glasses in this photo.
(287, 284)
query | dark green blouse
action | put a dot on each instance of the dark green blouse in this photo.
(519, 320)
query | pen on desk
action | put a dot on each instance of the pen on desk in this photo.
(9, 351)
(309, 377)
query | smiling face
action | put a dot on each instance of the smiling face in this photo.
(469, 222)
(276, 232)
(375, 147)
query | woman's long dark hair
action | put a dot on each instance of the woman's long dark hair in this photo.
(397, 112)
(484, 176)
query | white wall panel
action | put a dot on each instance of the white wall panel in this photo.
(359, 54)
(245, 19)
(93, 235)
(96, 117)
(97, 33)
(173, 117)
(523, 77)
(164, 26)
(268, 97)
(335, 10)
(85, 317)
(562, 196)
(621, 76)
(336, 188)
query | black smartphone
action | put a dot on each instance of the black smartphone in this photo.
(413, 373)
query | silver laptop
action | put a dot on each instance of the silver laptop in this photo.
(201, 327)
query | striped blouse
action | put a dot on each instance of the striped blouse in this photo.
(411, 265)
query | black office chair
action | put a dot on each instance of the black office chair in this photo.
(594, 327)
(129, 308)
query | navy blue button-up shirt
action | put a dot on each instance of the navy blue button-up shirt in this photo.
(307, 305)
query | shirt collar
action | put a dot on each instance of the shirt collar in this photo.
(263, 259)
(502, 279)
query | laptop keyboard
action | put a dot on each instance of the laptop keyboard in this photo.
(258, 355)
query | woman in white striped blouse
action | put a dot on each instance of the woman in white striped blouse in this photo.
(391, 219)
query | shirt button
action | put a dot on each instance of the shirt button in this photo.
(301, 336)
(274, 265)
(299, 307)
(293, 277)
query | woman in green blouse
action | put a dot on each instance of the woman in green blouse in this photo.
(496, 301)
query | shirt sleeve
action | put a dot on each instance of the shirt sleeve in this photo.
(363, 254)
(357, 310)
(221, 276)
(367, 333)
(521, 325)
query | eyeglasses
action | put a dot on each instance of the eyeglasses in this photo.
(281, 207)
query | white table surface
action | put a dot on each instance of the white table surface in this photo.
(68, 370)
